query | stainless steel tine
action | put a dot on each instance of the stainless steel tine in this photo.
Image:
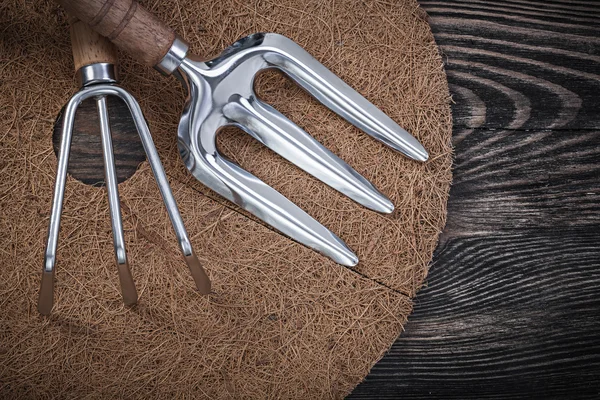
(46, 295)
(334, 93)
(283, 136)
(268, 204)
(198, 274)
(128, 290)
(246, 190)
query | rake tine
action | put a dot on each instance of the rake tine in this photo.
(290, 141)
(275, 209)
(198, 273)
(128, 290)
(334, 93)
(46, 294)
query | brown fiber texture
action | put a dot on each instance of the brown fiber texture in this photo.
(282, 321)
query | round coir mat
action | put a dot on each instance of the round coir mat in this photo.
(282, 321)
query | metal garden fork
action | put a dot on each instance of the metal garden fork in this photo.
(221, 93)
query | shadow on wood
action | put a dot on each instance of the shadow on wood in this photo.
(85, 160)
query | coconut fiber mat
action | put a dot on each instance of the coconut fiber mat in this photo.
(282, 321)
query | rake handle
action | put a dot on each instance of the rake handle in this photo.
(89, 47)
(127, 24)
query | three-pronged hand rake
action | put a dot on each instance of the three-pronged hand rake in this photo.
(95, 61)
(221, 93)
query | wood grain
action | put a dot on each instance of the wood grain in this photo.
(90, 47)
(510, 316)
(127, 24)
(511, 308)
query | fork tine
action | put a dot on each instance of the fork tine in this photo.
(253, 195)
(281, 135)
(334, 93)
(276, 210)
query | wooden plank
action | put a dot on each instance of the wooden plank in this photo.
(502, 316)
(509, 180)
(511, 307)
(530, 75)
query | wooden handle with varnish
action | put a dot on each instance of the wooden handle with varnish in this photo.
(127, 24)
(89, 47)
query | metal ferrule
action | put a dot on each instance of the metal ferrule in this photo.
(174, 57)
(96, 73)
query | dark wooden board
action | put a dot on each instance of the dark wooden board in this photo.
(511, 307)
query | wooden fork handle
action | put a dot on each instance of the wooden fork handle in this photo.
(89, 47)
(127, 24)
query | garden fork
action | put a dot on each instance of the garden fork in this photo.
(221, 93)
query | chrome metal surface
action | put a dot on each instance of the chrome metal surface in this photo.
(96, 73)
(170, 62)
(221, 93)
(100, 91)
(110, 176)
